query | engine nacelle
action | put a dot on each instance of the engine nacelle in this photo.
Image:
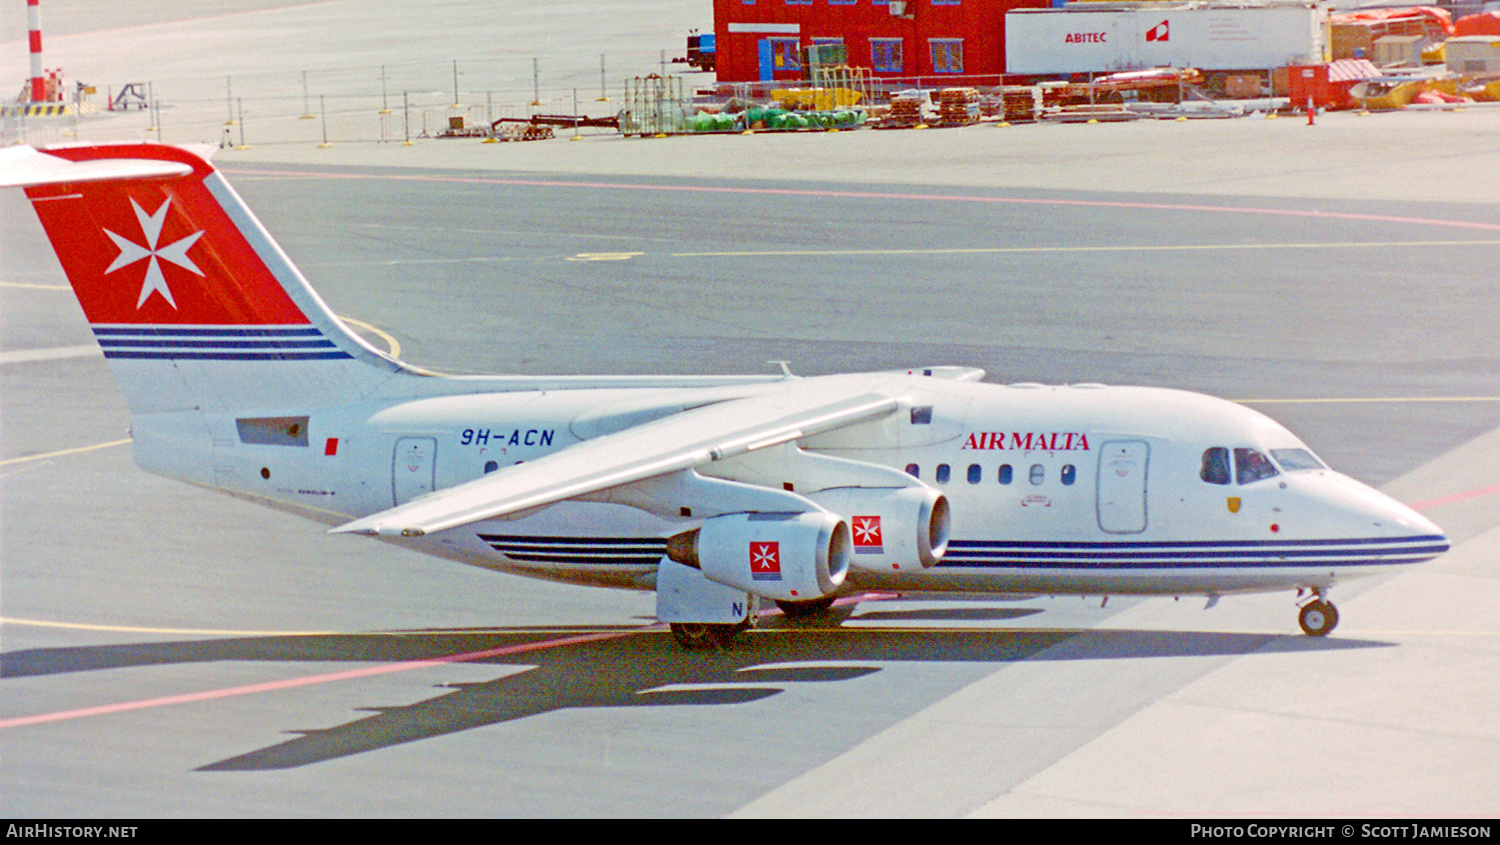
(903, 529)
(780, 556)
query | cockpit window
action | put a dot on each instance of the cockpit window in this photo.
(1292, 460)
(1215, 466)
(1250, 465)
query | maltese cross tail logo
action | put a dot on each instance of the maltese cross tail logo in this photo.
(175, 252)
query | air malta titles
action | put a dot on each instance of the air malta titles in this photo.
(1044, 441)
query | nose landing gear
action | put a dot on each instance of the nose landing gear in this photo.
(1318, 617)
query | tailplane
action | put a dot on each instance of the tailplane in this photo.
(193, 303)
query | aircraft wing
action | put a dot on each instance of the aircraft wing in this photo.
(800, 408)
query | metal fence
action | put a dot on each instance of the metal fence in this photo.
(341, 105)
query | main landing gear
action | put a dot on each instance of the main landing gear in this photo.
(1318, 617)
(805, 609)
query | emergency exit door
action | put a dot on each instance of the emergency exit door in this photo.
(413, 468)
(1122, 486)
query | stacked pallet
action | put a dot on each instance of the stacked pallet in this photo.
(958, 106)
(905, 111)
(1023, 103)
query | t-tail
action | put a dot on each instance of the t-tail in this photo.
(195, 306)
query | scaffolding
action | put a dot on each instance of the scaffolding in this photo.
(654, 105)
(856, 79)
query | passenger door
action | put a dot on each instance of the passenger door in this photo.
(413, 468)
(1121, 497)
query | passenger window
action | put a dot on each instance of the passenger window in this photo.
(1038, 474)
(1215, 466)
(1006, 473)
(975, 473)
(942, 473)
(1250, 465)
(491, 466)
(1069, 474)
(913, 471)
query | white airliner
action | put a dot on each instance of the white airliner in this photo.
(713, 491)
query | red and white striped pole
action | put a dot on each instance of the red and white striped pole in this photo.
(38, 81)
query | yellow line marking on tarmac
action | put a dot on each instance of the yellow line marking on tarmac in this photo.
(395, 345)
(1082, 249)
(63, 452)
(133, 629)
(1368, 399)
(33, 287)
(604, 256)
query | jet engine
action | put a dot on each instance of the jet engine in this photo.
(781, 556)
(902, 530)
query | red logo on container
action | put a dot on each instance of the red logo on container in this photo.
(1160, 32)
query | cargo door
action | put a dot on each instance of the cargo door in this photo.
(1122, 486)
(412, 469)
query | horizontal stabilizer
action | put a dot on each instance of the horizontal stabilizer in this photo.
(25, 167)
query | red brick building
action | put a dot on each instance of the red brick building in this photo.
(937, 41)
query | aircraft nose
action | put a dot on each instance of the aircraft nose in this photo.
(1386, 516)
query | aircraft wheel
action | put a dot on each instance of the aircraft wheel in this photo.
(697, 636)
(1318, 618)
(805, 609)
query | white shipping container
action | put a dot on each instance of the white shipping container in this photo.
(1473, 54)
(1073, 40)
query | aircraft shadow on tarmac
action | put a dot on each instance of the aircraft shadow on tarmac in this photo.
(629, 667)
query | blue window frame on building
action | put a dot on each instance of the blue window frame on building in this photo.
(785, 54)
(829, 51)
(947, 55)
(885, 54)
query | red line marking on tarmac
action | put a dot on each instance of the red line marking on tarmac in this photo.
(1457, 497)
(249, 689)
(803, 192)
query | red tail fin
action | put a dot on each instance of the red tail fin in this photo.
(172, 267)
(159, 251)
